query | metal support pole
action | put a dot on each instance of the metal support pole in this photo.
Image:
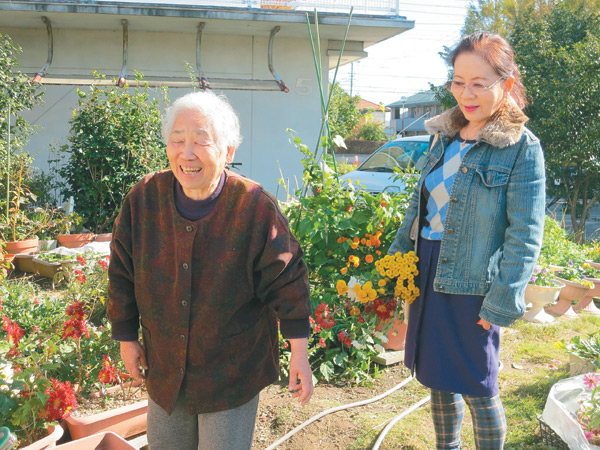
(123, 76)
(42, 73)
(279, 81)
(204, 84)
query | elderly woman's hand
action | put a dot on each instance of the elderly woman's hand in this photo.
(132, 354)
(300, 374)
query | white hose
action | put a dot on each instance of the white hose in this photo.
(336, 409)
(396, 419)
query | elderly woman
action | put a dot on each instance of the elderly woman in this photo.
(476, 218)
(204, 261)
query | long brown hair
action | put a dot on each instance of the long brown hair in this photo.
(498, 53)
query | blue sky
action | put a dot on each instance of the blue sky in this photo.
(405, 64)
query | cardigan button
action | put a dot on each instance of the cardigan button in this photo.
(186, 266)
(181, 370)
(453, 200)
(465, 170)
(182, 337)
(444, 260)
(184, 303)
(189, 228)
(450, 231)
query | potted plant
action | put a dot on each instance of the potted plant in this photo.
(576, 288)
(586, 304)
(584, 353)
(19, 230)
(50, 264)
(543, 289)
(588, 414)
(73, 236)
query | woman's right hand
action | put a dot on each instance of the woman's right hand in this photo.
(132, 354)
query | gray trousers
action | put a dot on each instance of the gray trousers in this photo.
(232, 429)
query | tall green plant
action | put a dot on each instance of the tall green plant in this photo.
(115, 140)
(17, 94)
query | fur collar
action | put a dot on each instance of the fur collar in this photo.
(504, 129)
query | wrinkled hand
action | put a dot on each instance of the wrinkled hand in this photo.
(133, 356)
(300, 384)
(484, 323)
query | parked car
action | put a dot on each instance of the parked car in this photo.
(377, 173)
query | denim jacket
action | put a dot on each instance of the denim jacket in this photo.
(495, 220)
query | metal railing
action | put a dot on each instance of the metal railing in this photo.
(365, 7)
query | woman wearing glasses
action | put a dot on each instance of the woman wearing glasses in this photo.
(476, 219)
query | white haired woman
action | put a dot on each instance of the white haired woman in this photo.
(204, 261)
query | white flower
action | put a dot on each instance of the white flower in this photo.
(7, 372)
(379, 348)
(351, 292)
(382, 337)
(358, 345)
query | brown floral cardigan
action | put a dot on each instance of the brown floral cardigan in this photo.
(206, 293)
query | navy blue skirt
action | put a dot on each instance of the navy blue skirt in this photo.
(445, 347)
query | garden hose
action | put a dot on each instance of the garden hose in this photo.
(397, 419)
(348, 406)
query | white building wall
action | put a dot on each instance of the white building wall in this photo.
(264, 115)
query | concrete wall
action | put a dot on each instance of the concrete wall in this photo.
(264, 115)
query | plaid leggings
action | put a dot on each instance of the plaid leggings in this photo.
(489, 421)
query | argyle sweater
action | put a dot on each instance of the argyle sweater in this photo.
(207, 293)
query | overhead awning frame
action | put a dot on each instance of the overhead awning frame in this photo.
(275, 84)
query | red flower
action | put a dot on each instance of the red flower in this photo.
(80, 276)
(348, 208)
(322, 343)
(61, 402)
(344, 339)
(384, 204)
(104, 264)
(108, 373)
(286, 344)
(15, 333)
(81, 260)
(323, 316)
(76, 325)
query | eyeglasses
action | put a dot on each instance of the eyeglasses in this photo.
(458, 87)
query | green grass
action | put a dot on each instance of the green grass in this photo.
(527, 352)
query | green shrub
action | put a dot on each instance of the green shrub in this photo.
(115, 140)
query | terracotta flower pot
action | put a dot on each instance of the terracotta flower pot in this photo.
(27, 246)
(74, 240)
(107, 440)
(104, 237)
(595, 265)
(125, 421)
(570, 293)
(11, 265)
(54, 434)
(396, 334)
(586, 304)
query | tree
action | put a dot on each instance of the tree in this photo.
(344, 115)
(559, 57)
(500, 16)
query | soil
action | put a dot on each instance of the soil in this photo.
(278, 413)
